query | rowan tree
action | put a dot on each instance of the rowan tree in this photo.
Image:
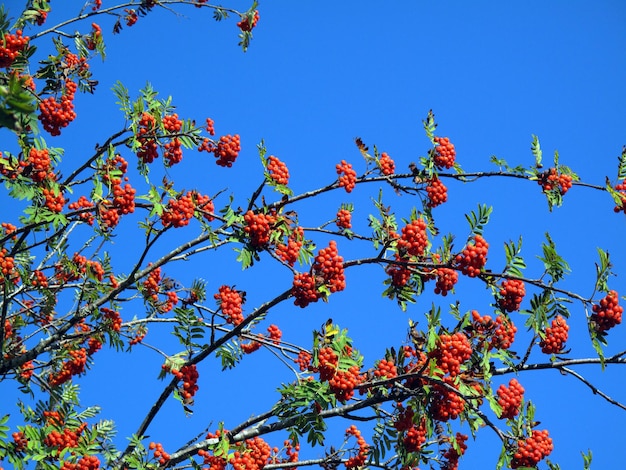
(70, 295)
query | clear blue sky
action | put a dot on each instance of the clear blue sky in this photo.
(319, 74)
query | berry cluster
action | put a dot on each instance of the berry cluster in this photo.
(510, 399)
(304, 289)
(278, 170)
(344, 219)
(444, 153)
(95, 38)
(445, 404)
(151, 285)
(343, 383)
(550, 180)
(437, 192)
(347, 176)
(303, 360)
(173, 152)
(245, 25)
(131, 16)
(327, 361)
(11, 46)
(413, 241)
(230, 301)
(415, 437)
(67, 439)
(452, 455)
(53, 115)
(532, 450)
(329, 266)
(159, 454)
(179, 211)
(73, 366)
(227, 150)
(385, 369)
(500, 333)
(83, 205)
(146, 128)
(38, 165)
(446, 280)
(555, 336)
(358, 460)
(53, 199)
(403, 420)
(274, 334)
(189, 376)
(112, 319)
(473, 258)
(386, 164)
(451, 351)
(258, 228)
(621, 191)
(289, 253)
(254, 455)
(210, 126)
(400, 275)
(512, 293)
(87, 462)
(607, 313)
(7, 268)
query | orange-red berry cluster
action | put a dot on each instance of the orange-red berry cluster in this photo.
(54, 115)
(532, 450)
(510, 399)
(343, 383)
(245, 25)
(53, 199)
(189, 376)
(112, 318)
(289, 253)
(327, 361)
(303, 359)
(499, 333)
(329, 266)
(87, 462)
(446, 280)
(66, 439)
(11, 46)
(445, 404)
(436, 192)
(179, 211)
(258, 228)
(403, 420)
(344, 219)
(83, 205)
(151, 285)
(512, 293)
(38, 162)
(304, 289)
(386, 164)
(230, 301)
(159, 454)
(278, 170)
(415, 437)
(146, 128)
(444, 153)
(474, 257)
(73, 366)
(254, 455)
(549, 180)
(400, 275)
(413, 240)
(227, 150)
(131, 16)
(274, 334)
(7, 268)
(358, 460)
(347, 176)
(95, 38)
(451, 456)
(451, 352)
(607, 313)
(556, 336)
(385, 369)
(621, 191)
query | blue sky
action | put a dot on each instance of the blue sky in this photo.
(319, 74)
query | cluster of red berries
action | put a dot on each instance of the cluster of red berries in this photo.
(258, 228)
(607, 313)
(54, 115)
(38, 162)
(189, 376)
(621, 191)
(278, 170)
(500, 333)
(53, 199)
(415, 437)
(80, 205)
(73, 366)
(245, 25)
(11, 46)
(386, 164)
(87, 462)
(474, 257)
(179, 211)
(451, 351)
(254, 455)
(512, 293)
(19, 441)
(274, 334)
(112, 318)
(437, 192)
(446, 280)
(445, 404)
(358, 460)
(550, 180)
(532, 450)
(555, 336)
(344, 219)
(343, 383)
(347, 176)
(146, 128)
(205, 206)
(7, 267)
(329, 266)
(230, 301)
(93, 346)
(413, 240)
(210, 126)
(173, 152)
(400, 275)
(227, 150)
(444, 153)
(289, 253)
(9, 229)
(303, 359)
(159, 454)
(95, 38)
(510, 399)
(452, 455)
(67, 439)
(151, 285)
(131, 17)
(327, 361)
(304, 289)
(403, 420)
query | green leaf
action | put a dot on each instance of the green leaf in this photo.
(536, 149)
